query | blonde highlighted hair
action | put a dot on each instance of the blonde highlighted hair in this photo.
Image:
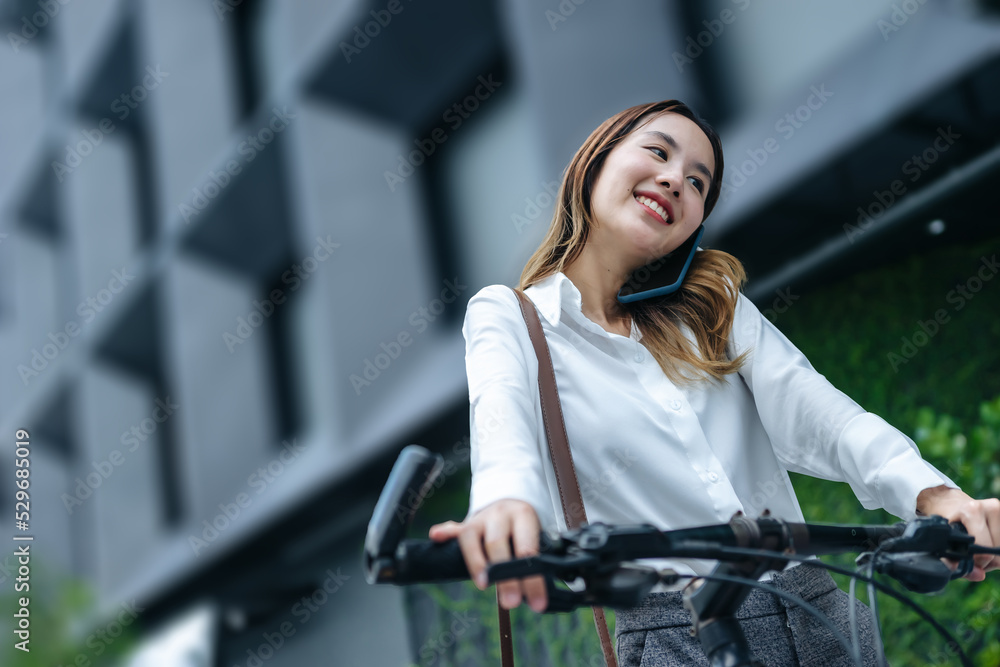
(705, 304)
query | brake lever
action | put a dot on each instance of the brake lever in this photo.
(964, 560)
(919, 572)
(914, 558)
(934, 535)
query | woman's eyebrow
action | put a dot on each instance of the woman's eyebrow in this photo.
(673, 144)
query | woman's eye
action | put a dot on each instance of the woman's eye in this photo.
(696, 182)
(659, 152)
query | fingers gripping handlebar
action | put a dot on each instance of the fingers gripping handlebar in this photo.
(599, 553)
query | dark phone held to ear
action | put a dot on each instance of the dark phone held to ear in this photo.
(665, 274)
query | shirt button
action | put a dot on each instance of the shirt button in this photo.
(676, 405)
(639, 356)
(712, 477)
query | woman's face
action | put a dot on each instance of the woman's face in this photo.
(650, 194)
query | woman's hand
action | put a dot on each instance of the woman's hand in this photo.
(496, 526)
(980, 517)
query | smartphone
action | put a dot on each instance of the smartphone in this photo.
(664, 275)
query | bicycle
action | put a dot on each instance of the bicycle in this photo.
(600, 556)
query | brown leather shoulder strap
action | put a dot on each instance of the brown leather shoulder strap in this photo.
(555, 426)
(562, 462)
(506, 639)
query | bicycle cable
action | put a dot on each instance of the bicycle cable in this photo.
(815, 562)
(873, 600)
(852, 614)
(852, 651)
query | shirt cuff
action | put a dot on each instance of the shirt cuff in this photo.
(901, 474)
(487, 489)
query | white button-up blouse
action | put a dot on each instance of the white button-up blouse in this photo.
(649, 451)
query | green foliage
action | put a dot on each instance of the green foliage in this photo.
(540, 640)
(971, 611)
(59, 608)
(849, 329)
(945, 394)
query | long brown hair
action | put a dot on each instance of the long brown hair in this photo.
(706, 302)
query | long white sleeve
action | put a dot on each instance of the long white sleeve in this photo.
(502, 373)
(818, 430)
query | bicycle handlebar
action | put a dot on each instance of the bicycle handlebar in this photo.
(601, 556)
(598, 549)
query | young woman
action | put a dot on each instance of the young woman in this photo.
(680, 410)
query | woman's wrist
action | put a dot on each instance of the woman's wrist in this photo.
(932, 500)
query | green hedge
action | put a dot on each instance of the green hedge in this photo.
(940, 385)
(856, 332)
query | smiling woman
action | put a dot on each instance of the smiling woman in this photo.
(708, 402)
(661, 153)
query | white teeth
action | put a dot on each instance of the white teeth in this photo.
(653, 205)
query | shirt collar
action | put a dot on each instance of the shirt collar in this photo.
(552, 293)
(555, 293)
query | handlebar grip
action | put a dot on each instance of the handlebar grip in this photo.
(428, 561)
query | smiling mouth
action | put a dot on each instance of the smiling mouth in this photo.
(655, 208)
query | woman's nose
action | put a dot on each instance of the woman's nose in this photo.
(671, 179)
(673, 187)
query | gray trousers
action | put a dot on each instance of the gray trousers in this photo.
(779, 634)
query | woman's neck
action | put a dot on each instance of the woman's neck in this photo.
(598, 283)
